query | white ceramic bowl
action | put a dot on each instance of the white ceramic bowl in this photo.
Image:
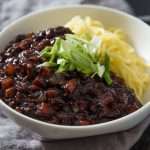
(139, 36)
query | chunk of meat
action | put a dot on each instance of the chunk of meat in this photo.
(51, 93)
(10, 69)
(10, 92)
(39, 82)
(70, 86)
(7, 83)
(44, 108)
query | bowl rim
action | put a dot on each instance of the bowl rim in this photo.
(78, 6)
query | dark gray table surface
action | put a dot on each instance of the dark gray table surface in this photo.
(9, 13)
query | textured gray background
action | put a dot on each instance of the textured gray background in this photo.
(13, 137)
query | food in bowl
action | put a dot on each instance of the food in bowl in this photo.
(79, 74)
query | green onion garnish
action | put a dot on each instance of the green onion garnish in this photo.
(75, 53)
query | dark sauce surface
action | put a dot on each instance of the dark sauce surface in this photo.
(67, 98)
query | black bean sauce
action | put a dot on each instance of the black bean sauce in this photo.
(67, 98)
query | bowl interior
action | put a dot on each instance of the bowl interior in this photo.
(137, 31)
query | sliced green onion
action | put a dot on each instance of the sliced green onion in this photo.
(74, 53)
(106, 74)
